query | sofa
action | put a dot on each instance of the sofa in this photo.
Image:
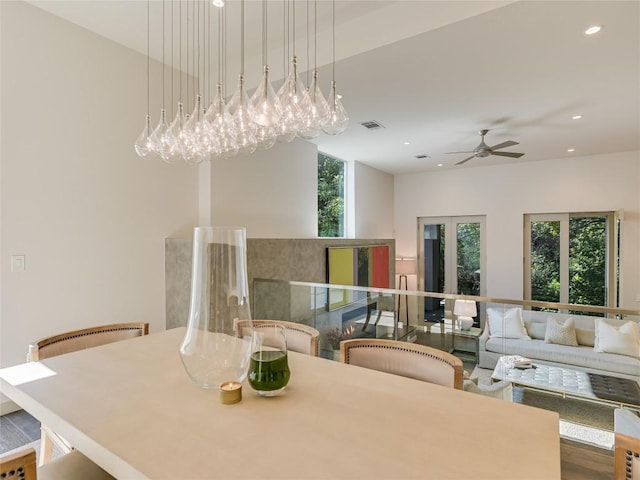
(593, 344)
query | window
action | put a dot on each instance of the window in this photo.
(331, 181)
(572, 258)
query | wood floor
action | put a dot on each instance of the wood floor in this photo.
(578, 461)
(584, 462)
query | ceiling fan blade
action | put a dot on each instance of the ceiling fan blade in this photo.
(470, 151)
(509, 143)
(508, 154)
(465, 160)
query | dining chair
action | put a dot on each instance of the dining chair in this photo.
(70, 342)
(382, 304)
(626, 456)
(301, 338)
(21, 465)
(401, 358)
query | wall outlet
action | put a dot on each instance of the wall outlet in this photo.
(17, 263)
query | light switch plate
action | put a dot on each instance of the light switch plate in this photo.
(17, 263)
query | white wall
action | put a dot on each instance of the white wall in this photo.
(89, 215)
(271, 192)
(373, 202)
(505, 193)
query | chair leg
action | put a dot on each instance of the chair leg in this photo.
(46, 447)
(378, 317)
(366, 322)
(49, 439)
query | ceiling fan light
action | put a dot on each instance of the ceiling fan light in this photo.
(593, 29)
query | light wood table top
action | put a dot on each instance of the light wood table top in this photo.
(131, 408)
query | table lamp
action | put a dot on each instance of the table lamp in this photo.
(465, 310)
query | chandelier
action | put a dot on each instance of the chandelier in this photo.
(245, 123)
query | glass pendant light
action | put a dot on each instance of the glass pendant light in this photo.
(176, 131)
(242, 112)
(318, 113)
(160, 140)
(240, 105)
(264, 101)
(143, 145)
(338, 119)
(266, 112)
(221, 125)
(292, 98)
(199, 141)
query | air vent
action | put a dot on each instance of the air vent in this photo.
(372, 125)
(422, 155)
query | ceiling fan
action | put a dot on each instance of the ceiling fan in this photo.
(484, 150)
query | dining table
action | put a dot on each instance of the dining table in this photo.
(131, 408)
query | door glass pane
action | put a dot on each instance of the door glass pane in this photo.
(588, 260)
(468, 262)
(545, 261)
(434, 269)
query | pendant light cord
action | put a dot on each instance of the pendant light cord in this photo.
(148, 86)
(163, 68)
(242, 37)
(264, 32)
(333, 74)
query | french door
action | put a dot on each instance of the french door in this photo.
(451, 259)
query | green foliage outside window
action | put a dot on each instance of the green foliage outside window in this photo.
(330, 196)
(468, 250)
(587, 260)
(545, 261)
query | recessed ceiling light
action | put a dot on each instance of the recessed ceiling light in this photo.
(576, 117)
(407, 143)
(571, 150)
(218, 3)
(440, 164)
(593, 29)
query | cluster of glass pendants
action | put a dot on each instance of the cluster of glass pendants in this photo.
(245, 123)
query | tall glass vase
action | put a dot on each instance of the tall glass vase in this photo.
(211, 352)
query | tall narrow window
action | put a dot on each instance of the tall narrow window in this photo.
(331, 181)
(572, 258)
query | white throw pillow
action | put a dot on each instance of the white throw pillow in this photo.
(623, 339)
(561, 333)
(536, 330)
(506, 323)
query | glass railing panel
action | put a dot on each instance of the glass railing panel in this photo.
(342, 312)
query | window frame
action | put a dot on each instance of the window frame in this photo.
(612, 285)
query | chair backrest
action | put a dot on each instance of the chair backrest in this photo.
(626, 461)
(300, 338)
(19, 466)
(85, 338)
(407, 359)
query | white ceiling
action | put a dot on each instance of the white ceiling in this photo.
(435, 72)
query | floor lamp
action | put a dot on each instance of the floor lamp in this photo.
(404, 267)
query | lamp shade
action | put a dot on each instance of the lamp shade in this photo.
(406, 266)
(465, 308)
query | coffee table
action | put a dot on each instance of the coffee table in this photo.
(566, 382)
